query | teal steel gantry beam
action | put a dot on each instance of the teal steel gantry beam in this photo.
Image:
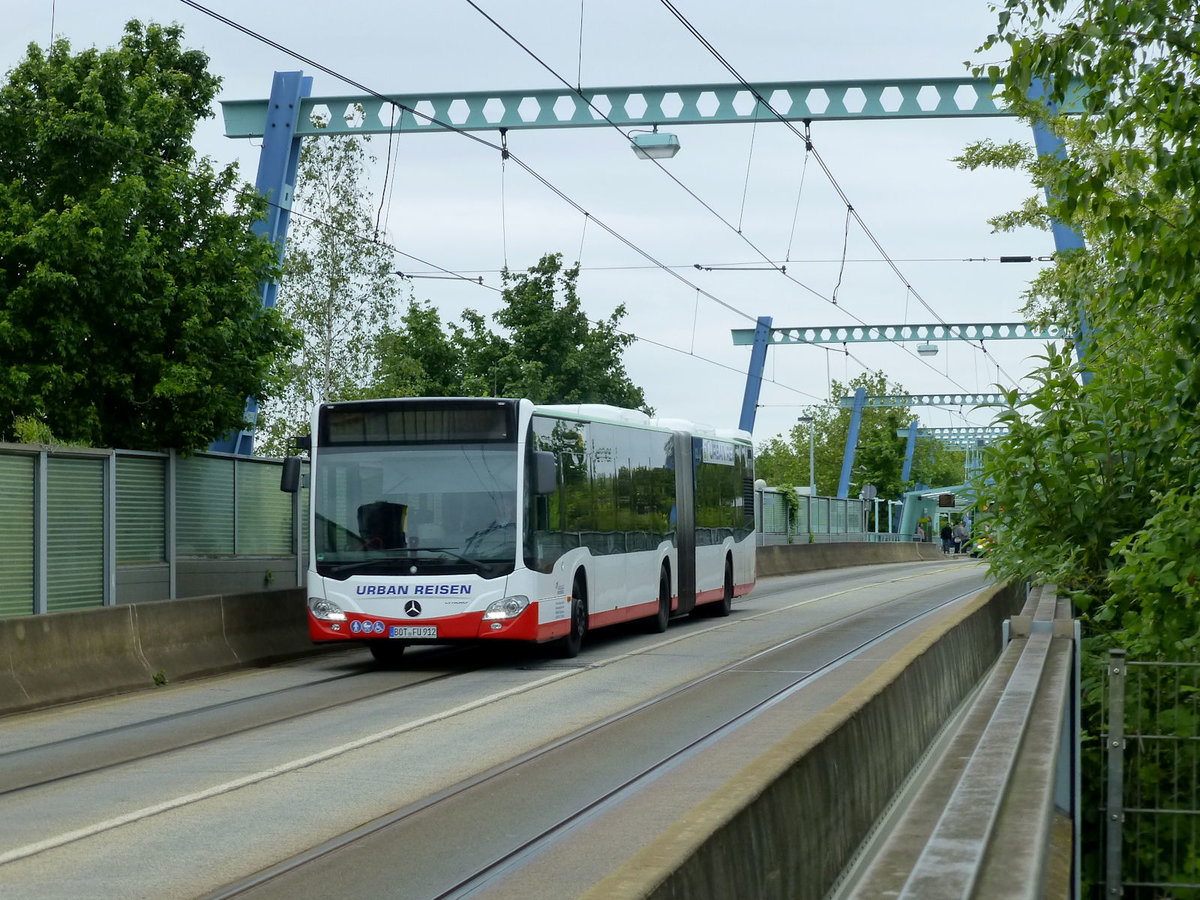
(964, 438)
(968, 438)
(649, 105)
(679, 104)
(893, 401)
(852, 334)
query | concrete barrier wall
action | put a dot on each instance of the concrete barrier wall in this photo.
(200, 577)
(788, 824)
(68, 656)
(792, 559)
(62, 657)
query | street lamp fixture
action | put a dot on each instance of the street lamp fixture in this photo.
(927, 349)
(652, 145)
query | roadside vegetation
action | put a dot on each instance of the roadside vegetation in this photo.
(1095, 489)
(130, 306)
(782, 461)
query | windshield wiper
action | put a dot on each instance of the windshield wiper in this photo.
(478, 564)
(406, 556)
(370, 563)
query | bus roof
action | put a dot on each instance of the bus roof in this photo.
(605, 413)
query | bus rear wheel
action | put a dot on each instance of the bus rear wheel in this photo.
(726, 603)
(722, 607)
(657, 623)
(387, 653)
(568, 647)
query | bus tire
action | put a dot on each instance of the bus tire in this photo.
(568, 647)
(657, 623)
(723, 607)
(387, 653)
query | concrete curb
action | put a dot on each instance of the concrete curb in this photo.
(791, 804)
(62, 657)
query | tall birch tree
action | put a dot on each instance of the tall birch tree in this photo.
(337, 292)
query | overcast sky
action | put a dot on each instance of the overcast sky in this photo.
(452, 204)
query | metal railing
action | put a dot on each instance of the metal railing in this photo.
(816, 520)
(1150, 732)
(88, 527)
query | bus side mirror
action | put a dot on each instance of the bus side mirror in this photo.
(545, 472)
(289, 478)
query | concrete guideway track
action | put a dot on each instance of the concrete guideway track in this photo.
(284, 793)
(623, 755)
(23, 767)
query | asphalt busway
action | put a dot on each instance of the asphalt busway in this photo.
(795, 818)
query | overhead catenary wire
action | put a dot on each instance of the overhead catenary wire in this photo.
(503, 185)
(579, 61)
(533, 173)
(248, 192)
(728, 66)
(750, 266)
(448, 126)
(391, 188)
(601, 114)
(749, 162)
(383, 194)
(582, 236)
(845, 246)
(759, 100)
(799, 192)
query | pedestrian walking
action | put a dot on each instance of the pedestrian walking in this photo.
(962, 536)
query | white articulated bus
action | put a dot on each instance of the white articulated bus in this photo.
(441, 520)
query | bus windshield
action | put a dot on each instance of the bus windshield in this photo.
(416, 509)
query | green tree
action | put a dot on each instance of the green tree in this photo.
(130, 312)
(879, 459)
(547, 349)
(418, 358)
(1095, 488)
(553, 352)
(1090, 481)
(337, 292)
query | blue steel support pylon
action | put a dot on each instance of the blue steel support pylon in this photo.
(754, 374)
(860, 400)
(909, 448)
(1065, 238)
(278, 163)
(906, 472)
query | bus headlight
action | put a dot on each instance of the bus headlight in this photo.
(508, 608)
(326, 610)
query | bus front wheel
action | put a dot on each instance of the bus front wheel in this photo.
(569, 646)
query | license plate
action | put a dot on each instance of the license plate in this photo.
(413, 631)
